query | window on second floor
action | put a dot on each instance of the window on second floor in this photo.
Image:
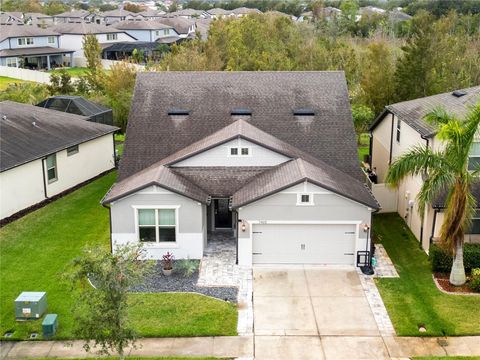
(166, 31)
(399, 126)
(25, 41)
(112, 37)
(474, 157)
(239, 151)
(51, 39)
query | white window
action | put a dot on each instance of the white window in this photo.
(304, 199)
(51, 168)
(399, 125)
(474, 157)
(12, 62)
(72, 150)
(157, 33)
(25, 41)
(240, 151)
(51, 39)
(475, 228)
(112, 36)
(156, 225)
(166, 31)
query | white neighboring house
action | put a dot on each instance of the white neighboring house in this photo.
(71, 35)
(243, 160)
(149, 31)
(46, 152)
(184, 27)
(399, 128)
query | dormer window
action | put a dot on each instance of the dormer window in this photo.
(304, 199)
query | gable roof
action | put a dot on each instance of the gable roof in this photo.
(141, 25)
(180, 24)
(118, 13)
(20, 30)
(412, 112)
(29, 132)
(82, 28)
(211, 96)
(74, 14)
(219, 11)
(223, 181)
(297, 171)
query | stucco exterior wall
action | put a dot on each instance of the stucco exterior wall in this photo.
(328, 208)
(74, 41)
(381, 147)
(93, 158)
(190, 236)
(220, 156)
(20, 188)
(23, 186)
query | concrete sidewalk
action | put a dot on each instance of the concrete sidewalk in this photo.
(266, 347)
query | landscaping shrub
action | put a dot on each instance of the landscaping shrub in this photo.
(441, 259)
(474, 282)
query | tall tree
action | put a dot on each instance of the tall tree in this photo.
(93, 53)
(377, 77)
(449, 171)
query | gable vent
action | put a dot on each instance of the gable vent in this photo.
(459, 93)
(240, 112)
(303, 112)
(178, 112)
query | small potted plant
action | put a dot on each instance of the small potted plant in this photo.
(167, 263)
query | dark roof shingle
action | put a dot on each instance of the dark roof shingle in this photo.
(29, 132)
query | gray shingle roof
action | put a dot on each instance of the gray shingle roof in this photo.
(73, 14)
(141, 25)
(223, 181)
(29, 132)
(219, 11)
(181, 25)
(13, 30)
(412, 112)
(153, 135)
(83, 28)
(299, 170)
(43, 50)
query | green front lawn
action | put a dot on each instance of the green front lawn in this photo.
(74, 71)
(413, 299)
(37, 248)
(6, 81)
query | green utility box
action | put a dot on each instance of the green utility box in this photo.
(30, 305)
(50, 325)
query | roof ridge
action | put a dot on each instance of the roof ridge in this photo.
(301, 167)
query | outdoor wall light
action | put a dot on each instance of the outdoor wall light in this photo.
(244, 226)
(366, 227)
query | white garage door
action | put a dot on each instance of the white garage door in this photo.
(303, 244)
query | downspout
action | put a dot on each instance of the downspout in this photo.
(43, 177)
(433, 225)
(391, 141)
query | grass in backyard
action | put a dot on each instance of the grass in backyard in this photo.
(119, 140)
(413, 299)
(36, 249)
(74, 71)
(6, 81)
(363, 146)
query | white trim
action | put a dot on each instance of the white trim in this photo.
(157, 244)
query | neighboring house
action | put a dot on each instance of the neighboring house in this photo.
(183, 27)
(80, 106)
(38, 19)
(73, 16)
(399, 128)
(217, 13)
(71, 35)
(113, 16)
(28, 46)
(151, 14)
(242, 11)
(46, 152)
(189, 13)
(8, 18)
(149, 31)
(253, 154)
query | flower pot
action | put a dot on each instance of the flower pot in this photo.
(167, 272)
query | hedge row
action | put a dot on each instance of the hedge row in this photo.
(442, 260)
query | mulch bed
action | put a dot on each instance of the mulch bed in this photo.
(444, 283)
(156, 282)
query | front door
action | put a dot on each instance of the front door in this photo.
(223, 215)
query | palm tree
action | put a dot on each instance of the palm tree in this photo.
(445, 171)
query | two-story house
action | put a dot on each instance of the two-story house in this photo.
(73, 16)
(71, 35)
(402, 126)
(254, 156)
(31, 47)
(150, 31)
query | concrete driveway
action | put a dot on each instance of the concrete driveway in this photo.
(313, 313)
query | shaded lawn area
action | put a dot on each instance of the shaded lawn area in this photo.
(6, 81)
(36, 249)
(119, 142)
(413, 299)
(364, 146)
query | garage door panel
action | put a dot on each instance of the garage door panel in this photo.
(303, 244)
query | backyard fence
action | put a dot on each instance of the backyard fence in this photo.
(25, 74)
(107, 64)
